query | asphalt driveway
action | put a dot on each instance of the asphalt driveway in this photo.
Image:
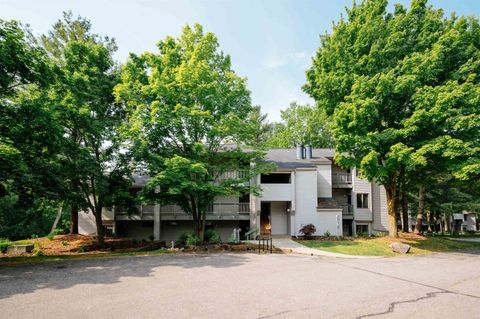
(244, 286)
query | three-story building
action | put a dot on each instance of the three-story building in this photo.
(306, 188)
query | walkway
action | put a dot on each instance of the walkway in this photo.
(287, 245)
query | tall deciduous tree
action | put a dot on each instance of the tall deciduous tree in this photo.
(183, 103)
(400, 87)
(301, 124)
(67, 34)
(95, 170)
(29, 135)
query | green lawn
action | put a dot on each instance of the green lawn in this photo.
(380, 246)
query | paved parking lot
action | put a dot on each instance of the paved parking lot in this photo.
(244, 286)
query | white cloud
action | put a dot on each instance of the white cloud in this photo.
(274, 60)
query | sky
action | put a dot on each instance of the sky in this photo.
(271, 42)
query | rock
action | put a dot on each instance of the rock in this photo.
(20, 248)
(400, 248)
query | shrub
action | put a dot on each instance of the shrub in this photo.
(51, 236)
(212, 237)
(327, 234)
(65, 243)
(4, 243)
(308, 230)
(38, 252)
(192, 240)
(82, 249)
(151, 237)
(232, 240)
(58, 231)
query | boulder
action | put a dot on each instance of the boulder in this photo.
(20, 248)
(400, 248)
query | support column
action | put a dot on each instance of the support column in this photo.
(156, 222)
(156, 219)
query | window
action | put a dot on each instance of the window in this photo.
(362, 200)
(362, 230)
(357, 172)
(283, 178)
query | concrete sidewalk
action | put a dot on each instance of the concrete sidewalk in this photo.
(287, 245)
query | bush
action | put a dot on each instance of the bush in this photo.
(4, 243)
(38, 252)
(192, 240)
(50, 236)
(327, 234)
(212, 237)
(308, 230)
(58, 231)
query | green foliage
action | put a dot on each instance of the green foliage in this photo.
(192, 240)
(38, 252)
(4, 243)
(401, 88)
(183, 104)
(212, 237)
(301, 124)
(261, 127)
(51, 236)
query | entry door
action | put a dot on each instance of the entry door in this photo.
(265, 224)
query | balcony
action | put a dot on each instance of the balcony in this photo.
(240, 174)
(216, 211)
(342, 180)
(347, 210)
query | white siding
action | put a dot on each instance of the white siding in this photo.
(86, 224)
(329, 221)
(306, 207)
(276, 192)
(380, 208)
(278, 215)
(324, 181)
(362, 186)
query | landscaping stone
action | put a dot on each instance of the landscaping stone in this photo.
(20, 248)
(400, 248)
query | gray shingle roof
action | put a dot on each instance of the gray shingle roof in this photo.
(286, 158)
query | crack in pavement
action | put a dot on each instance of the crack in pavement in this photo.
(393, 304)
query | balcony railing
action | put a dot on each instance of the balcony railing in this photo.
(234, 174)
(214, 210)
(347, 209)
(344, 179)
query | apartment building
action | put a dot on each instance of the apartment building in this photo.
(306, 188)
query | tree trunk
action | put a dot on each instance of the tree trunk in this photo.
(429, 222)
(448, 227)
(392, 211)
(74, 219)
(421, 209)
(99, 224)
(404, 212)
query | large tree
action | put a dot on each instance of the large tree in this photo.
(30, 137)
(400, 87)
(95, 170)
(301, 124)
(183, 104)
(72, 97)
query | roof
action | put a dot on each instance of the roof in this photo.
(286, 158)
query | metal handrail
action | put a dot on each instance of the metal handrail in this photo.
(341, 178)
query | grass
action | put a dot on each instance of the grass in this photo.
(379, 246)
(28, 259)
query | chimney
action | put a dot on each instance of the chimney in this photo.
(308, 152)
(300, 151)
